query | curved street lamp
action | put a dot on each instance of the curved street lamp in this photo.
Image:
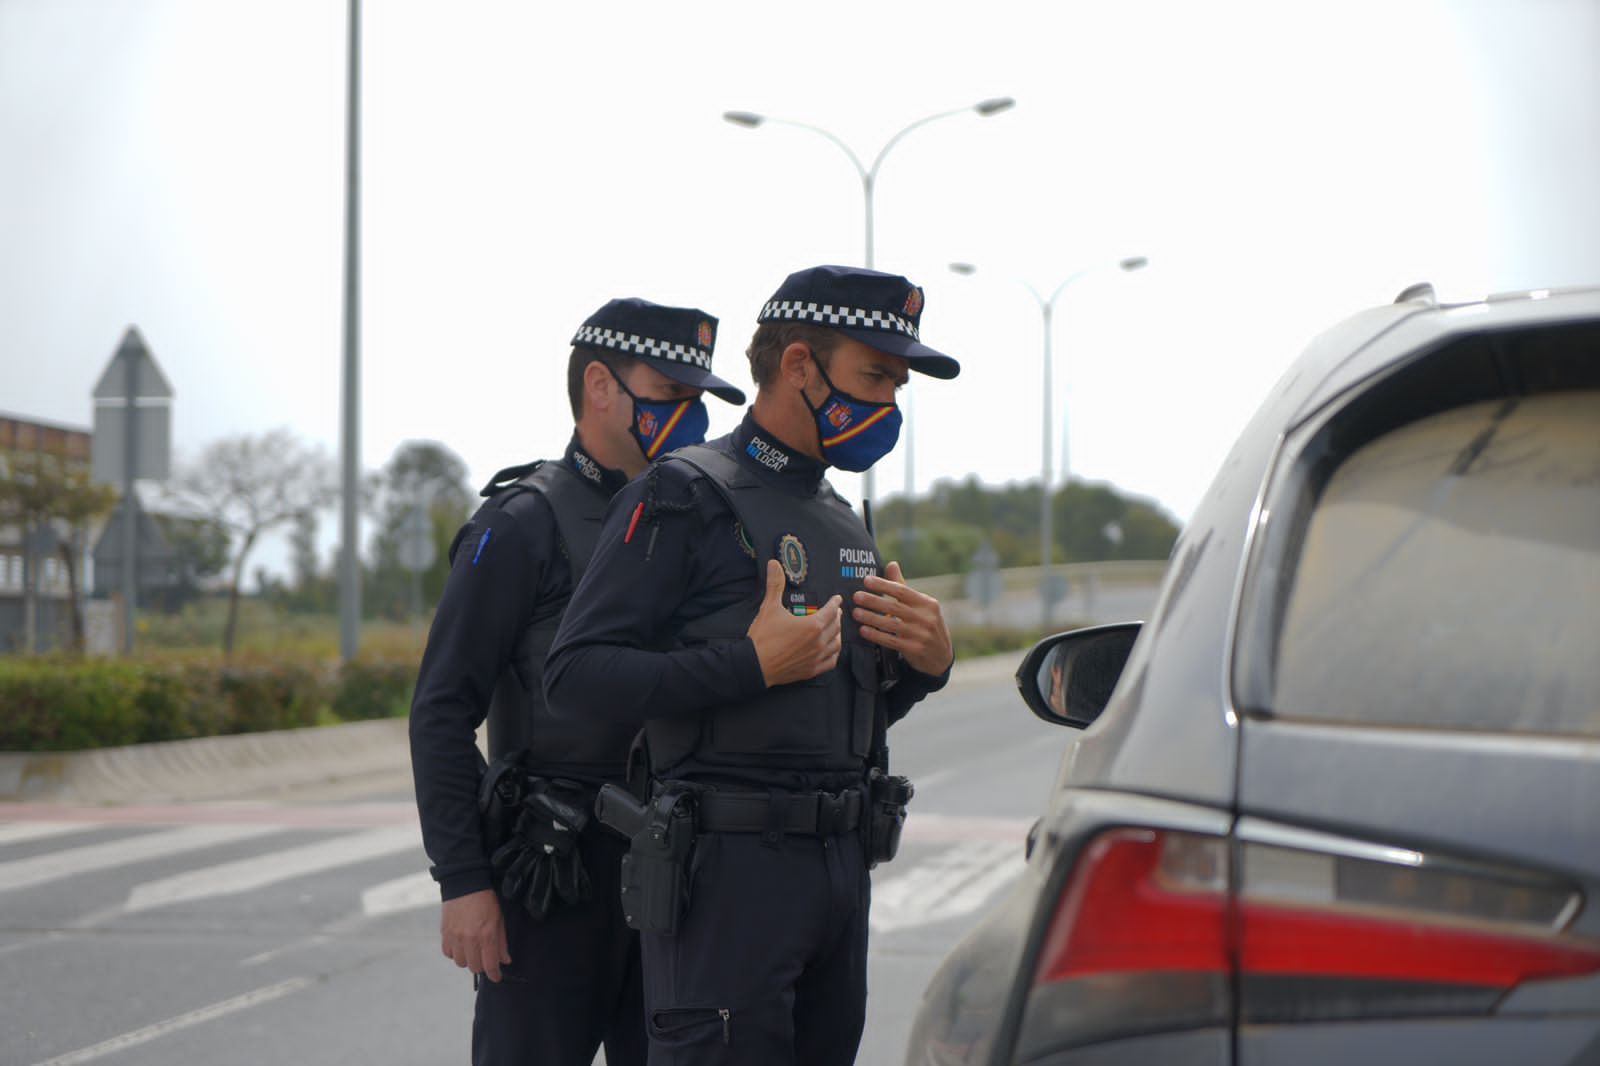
(869, 180)
(1046, 513)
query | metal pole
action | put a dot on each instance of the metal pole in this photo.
(130, 517)
(30, 590)
(869, 478)
(1046, 511)
(350, 440)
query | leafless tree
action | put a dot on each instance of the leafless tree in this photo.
(249, 484)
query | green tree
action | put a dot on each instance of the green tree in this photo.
(1091, 523)
(43, 490)
(421, 474)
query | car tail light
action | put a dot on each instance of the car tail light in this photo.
(1155, 930)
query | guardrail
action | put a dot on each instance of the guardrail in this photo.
(1125, 573)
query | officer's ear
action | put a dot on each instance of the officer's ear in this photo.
(794, 365)
(600, 390)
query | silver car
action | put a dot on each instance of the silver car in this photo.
(1338, 800)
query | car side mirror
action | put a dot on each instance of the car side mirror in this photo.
(1068, 679)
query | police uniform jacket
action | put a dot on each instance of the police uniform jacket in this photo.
(655, 631)
(511, 576)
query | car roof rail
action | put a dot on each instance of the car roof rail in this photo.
(1422, 290)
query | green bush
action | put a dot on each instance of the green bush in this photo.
(972, 642)
(178, 700)
(374, 688)
(259, 697)
(56, 705)
(65, 704)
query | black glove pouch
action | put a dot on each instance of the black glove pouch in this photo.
(536, 862)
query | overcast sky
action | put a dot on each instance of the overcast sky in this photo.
(178, 164)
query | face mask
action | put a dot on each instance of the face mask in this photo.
(854, 433)
(661, 426)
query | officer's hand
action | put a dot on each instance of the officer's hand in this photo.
(472, 931)
(895, 615)
(791, 647)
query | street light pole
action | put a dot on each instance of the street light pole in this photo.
(1046, 482)
(350, 423)
(869, 181)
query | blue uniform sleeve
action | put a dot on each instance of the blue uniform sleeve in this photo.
(503, 566)
(637, 593)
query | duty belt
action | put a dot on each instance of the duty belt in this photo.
(821, 814)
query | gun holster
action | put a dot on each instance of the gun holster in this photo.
(887, 799)
(656, 869)
(531, 826)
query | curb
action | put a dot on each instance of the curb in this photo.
(207, 767)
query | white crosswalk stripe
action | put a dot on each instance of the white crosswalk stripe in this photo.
(246, 875)
(401, 894)
(55, 865)
(953, 882)
(21, 832)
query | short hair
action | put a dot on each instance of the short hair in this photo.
(582, 356)
(767, 346)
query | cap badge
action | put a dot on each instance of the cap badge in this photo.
(704, 334)
(792, 557)
(914, 302)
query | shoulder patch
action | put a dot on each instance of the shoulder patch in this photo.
(743, 537)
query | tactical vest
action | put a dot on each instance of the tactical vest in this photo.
(823, 724)
(518, 715)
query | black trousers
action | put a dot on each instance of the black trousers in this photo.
(574, 979)
(769, 968)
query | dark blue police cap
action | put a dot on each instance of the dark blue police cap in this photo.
(674, 340)
(880, 310)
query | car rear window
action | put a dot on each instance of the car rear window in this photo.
(1449, 576)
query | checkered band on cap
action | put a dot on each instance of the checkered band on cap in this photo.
(831, 315)
(634, 344)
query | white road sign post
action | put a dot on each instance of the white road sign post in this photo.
(417, 552)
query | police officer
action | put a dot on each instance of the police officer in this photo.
(739, 607)
(530, 892)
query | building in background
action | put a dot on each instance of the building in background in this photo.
(32, 558)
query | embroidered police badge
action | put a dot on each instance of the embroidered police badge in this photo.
(792, 557)
(914, 302)
(704, 335)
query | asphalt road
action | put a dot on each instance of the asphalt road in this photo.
(305, 932)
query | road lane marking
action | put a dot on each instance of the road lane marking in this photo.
(956, 828)
(262, 995)
(260, 871)
(954, 882)
(411, 892)
(273, 953)
(19, 832)
(402, 894)
(234, 812)
(40, 869)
